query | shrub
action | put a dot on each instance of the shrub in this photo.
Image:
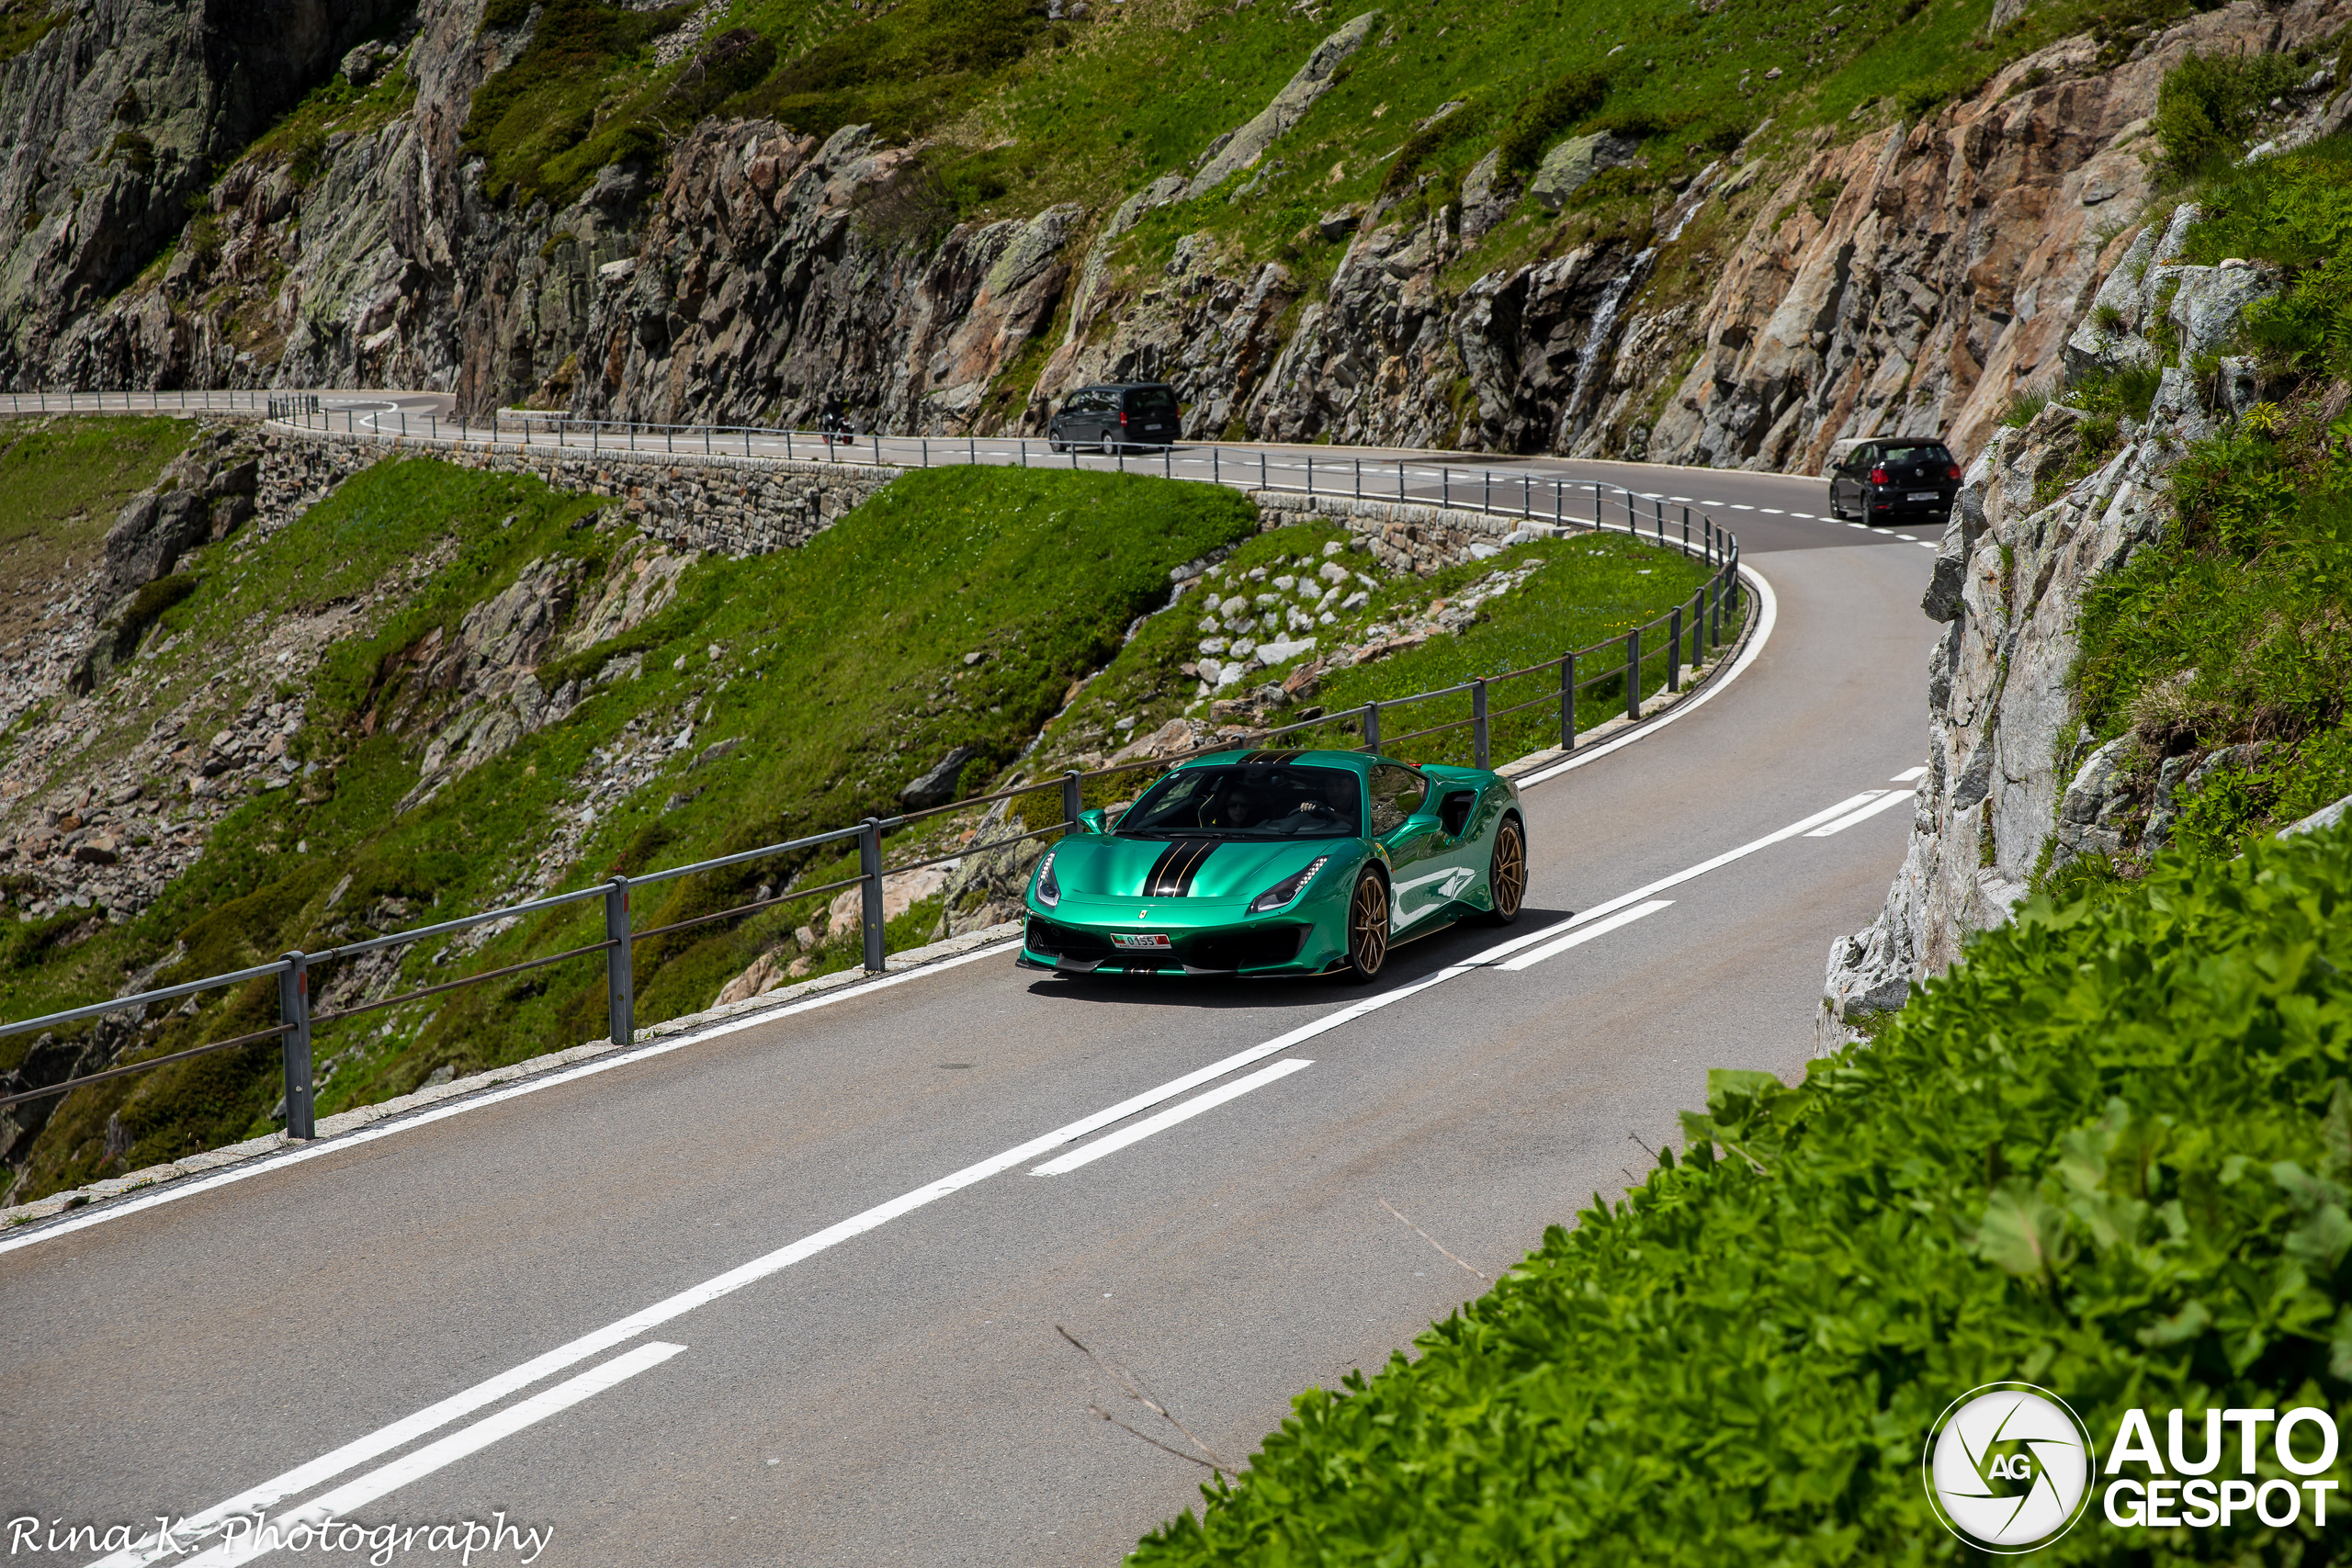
(2110, 1153)
(2207, 103)
(1567, 100)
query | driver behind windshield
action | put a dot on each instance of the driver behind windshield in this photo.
(1255, 801)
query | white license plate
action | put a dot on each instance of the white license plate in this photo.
(1151, 941)
(1924, 495)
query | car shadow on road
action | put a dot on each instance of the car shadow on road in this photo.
(1417, 960)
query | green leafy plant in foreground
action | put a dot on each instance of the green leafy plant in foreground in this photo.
(2109, 1154)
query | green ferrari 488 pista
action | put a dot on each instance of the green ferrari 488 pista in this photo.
(1278, 863)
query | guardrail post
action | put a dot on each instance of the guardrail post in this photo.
(1486, 490)
(1596, 506)
(1359, 479)
(1444, 485)
(1310, 473)
(1674, 649)
(620, 967)
(1073, 798)
(877, 448)
(1479, 750)
(869, 867)
(1633, 673)
(1686, 529)
(1567, 702)
(1371, 727)
(294, 1012)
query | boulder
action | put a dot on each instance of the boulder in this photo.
(1249, 142)
(937, 785)
(151, 532)
(1567, 167)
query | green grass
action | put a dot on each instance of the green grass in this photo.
(2109, 1154)
(62, 483)
(840, 673)
(1592, 588)
(1018, 112)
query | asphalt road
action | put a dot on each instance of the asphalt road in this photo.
(789, 1294)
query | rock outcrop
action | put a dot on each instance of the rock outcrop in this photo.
(116, 121)
(2013, 787)
(1910, 281)
(1780, 300)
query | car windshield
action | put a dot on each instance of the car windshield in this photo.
(1248, 800)
(1922, 453)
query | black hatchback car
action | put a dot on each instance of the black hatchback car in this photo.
(1896, 480)
(1113, 418)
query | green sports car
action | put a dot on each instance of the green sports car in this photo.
(1278, 863)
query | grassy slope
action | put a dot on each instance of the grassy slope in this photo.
(1592, 588)
(1023, 113)
(841, 670)
(62, 482)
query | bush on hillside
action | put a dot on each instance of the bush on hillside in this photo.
(2109, 1154)
(2207, 105)
(1568, 99)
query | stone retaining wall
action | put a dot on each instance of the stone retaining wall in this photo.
(1407, 536)
(728, 505)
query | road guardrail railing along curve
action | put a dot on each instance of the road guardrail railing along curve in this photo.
(1695, 626)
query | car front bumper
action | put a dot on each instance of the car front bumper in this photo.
(1090, 937)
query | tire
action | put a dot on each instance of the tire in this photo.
(1507, 875)
(1367, 928)
(1836, 508)
(1056, 445)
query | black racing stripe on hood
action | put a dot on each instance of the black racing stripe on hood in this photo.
(1172, 875)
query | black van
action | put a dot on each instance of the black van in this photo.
(1894, 480)
(1115, 418)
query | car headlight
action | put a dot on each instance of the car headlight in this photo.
(1050, 892)
(1288, 888)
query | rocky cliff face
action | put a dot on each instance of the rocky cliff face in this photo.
(1905, 279)
(2013, 786)
(1907, 282)
(117, 121)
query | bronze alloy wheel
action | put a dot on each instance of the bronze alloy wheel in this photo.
(1506, 875)
(1367, 926)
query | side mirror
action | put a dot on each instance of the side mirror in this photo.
(1093, 821)
(1453, 812)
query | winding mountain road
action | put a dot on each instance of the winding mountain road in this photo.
(788, 1292)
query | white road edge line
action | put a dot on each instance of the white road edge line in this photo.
(1579, 938)
(260, 1542)
(1910, 775)
(1609, 906)
(191, 1187)
(1170, 1118)
(1767, 613)
(1887, 802)
(594, 1343)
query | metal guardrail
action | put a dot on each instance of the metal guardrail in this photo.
(181, 400)
(1709, 606)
